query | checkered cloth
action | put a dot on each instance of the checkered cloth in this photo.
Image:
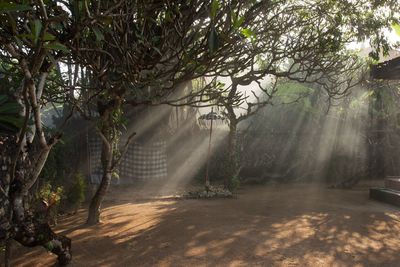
(140, 162)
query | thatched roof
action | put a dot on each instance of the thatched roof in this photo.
(388, 70)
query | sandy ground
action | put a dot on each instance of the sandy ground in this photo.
(273, 225)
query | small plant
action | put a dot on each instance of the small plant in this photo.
(49, 246)
(49, 199)
(234, 183)
(76, 193)
(50, 196)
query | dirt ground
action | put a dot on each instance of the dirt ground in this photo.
(271, 225)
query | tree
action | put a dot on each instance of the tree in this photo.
(32, 42)
(337, 78)
(145, 51)
(301, 42)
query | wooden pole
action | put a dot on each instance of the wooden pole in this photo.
(207, 180)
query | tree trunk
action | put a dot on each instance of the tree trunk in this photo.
(95, 204)
(16, 221)
(232, 164)
(20, 186)
(5, 227)
(31, 232)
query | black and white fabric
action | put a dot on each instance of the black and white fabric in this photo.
(95, 160)
(145, 162)
(140, 162)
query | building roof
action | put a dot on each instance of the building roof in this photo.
(387, 70)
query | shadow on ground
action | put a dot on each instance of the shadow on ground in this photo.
(276, 225)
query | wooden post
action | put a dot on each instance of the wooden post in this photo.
(207, 180)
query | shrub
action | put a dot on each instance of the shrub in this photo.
(48, 199)
(52, 196)
(76, 192)
(234, 183)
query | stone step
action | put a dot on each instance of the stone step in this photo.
(385, 195)
(392, 183)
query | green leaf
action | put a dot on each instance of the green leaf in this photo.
(99, 34)
(248, 33)
(10, 108)
(8, 105)
(3, 99)
(48, 37)
(213, 40)
(237, 21)
(26, 36)
(12, 21)
(19, 42)
(49, 246)
(10, 7)
(155, 39)
(37, 28)
(157, 50)
(396, 28)
(115, 175)
(214, 8)
(106, 20)
(291, 91)
(11, 120)
(169, 16)
(34, 38)
(57, 46)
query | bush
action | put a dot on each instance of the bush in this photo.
(52, 196)
(234, 183)
(47, 202)
(76, 192)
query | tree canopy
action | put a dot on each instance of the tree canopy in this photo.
(128, 52)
